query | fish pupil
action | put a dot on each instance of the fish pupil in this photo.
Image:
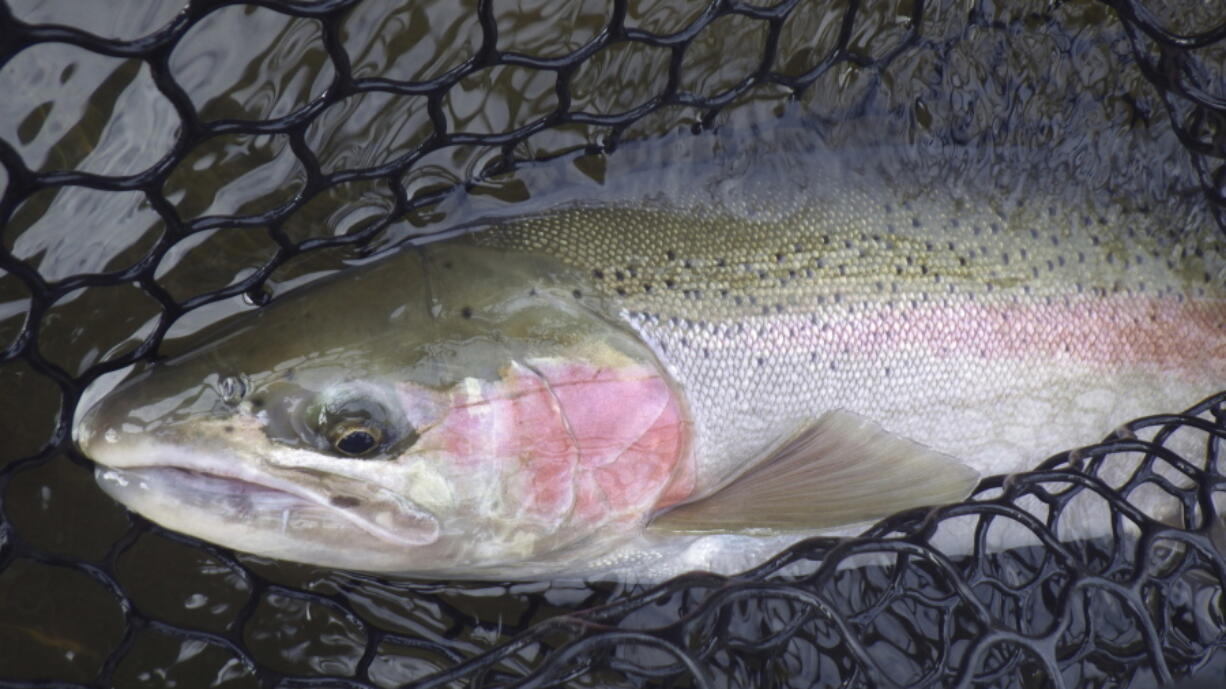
(356, 442)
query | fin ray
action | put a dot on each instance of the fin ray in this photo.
(840, 469)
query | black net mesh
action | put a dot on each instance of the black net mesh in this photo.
(237, 164)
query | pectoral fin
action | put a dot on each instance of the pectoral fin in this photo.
(841, 469)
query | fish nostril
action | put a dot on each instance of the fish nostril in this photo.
(232, 389)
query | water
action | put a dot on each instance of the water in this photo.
(202, 616)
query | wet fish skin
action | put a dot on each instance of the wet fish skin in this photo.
(999, 333)
(995, 328)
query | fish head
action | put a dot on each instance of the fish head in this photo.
(452, 411)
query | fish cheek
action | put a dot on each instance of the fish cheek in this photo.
(423, 407)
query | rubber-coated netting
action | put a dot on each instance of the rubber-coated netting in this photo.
(163, 166)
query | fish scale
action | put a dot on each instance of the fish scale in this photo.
(866, 299)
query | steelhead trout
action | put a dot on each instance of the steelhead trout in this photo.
(640, 389)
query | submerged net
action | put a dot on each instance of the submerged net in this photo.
(231, 194)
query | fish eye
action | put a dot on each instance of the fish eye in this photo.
(355, 440)
(351, 421)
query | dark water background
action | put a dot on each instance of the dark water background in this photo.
(1059, 77)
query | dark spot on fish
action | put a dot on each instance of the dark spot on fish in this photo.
(634, 272)
(577, 294)
(761, 362)
(618, 275)
(646, 286)
(447, 265)
(228, 429)
(1004, 257)
(779, 257)
(672, 255)
(621, 291)
(722, 263)
(257, 402)
(344, 501)
(915, 222)
(467, 312)
(598, 274)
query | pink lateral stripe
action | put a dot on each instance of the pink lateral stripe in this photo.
(1186, 338)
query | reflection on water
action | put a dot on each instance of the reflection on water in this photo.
(102, 115)
(1066, 83)
(278, 67)
(122, 19)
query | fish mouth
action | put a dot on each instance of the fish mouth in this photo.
(239, 506)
